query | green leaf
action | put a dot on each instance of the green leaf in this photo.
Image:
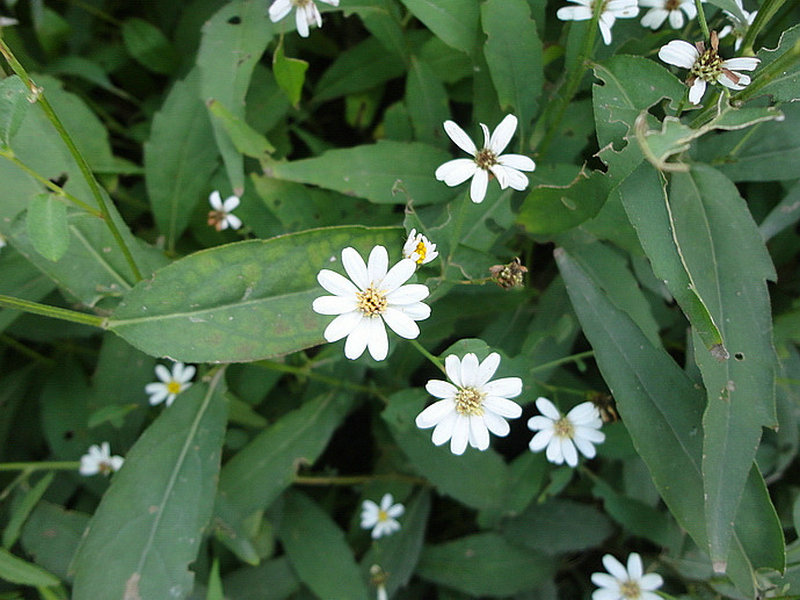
(164, 493)
(47, 226)
(477, 479)
(455, 22)
(233, 41)
(731, 7)
(179, 157)
(263, 469)
(552, 208)
(785, 214)
(247, 141)
(662, 410)
(20, 279)
(271, 580)
(783, 78)
(290, 73)
(715, 230)
(19, 571)
(14, 105)
(427, 103)
(323, 561)
(382, 20)
(654, 224)
(220, 304)
(51, 536)
(358, 69)
(22, 510)
(485, 564)
(149, 46)
(514, 55)
(373, 172)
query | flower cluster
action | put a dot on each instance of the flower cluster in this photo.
(170, 384)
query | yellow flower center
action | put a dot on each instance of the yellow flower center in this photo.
(486, 159)
(371, 302)
(174, 387)
(564, 428)
(383, 516)
(708, 66)
(469, 402)
(630, 589)
(421, 251)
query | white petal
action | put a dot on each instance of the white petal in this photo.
(651, 581)
(333, 305)
(689, 8)
(676, 19)
(584, 447)
(418, 311)
(408, 294)
(697, 90)
(458, 442)
(605, 580)
(377, 340)
(506, 387)
(386, 501)
(743, 63)
(460, 137)
(355, 267)
(230, 204)
(654, 18)
(574, 13)
(234, 221)
(441, 389)
(397, 275)
(336, 284)
(444, 429)
(358, 339)
(331, 2)
(278, 10)
(435, 413)
(455, 172)
(342, 326)
(163, 373)
(547, 408)
(605, 30)
(502, 134)
(478, 434)
(477, 191)
(584, 412)
(539, 422)
(378, 264)
(517, 161)
(486, 137)
(553, 452)
(540, 440)
(452, 366)
(496, 424)
(503, 407)
(487, 368)
(635, 568)
(569, 452)
(652, 3)
(215, 200)
(591, 435)
(183, 373)
(614, 567)
(301, 20)
(469, 370)
(499, 172)
(514, 179)
(608, 594)
(679, 53)
(400, 323)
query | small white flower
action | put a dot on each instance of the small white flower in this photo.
(706, 66)
(170, 384)
(306, 13)
(381, 519)
(419, 248)
(222, 216)
(562, 434)
(99, 460)
(625, 584)
(506, 168)
(474, 406)
(660, 10)
(373, 295)
(738, 27)
(3, 241)
(610, 12)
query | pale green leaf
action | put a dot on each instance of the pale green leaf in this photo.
(13, 106)
(47, 226)
(290, 73)
(16, 570)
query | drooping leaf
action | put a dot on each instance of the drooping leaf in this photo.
(179, 157)
(290, 73)
(223, 304)
(247, 141)
(163, 496)
(454, 21)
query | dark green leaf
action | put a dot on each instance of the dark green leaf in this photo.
(23, 509)
(784, 83)
(149, 46)
(427, 103)
(382, 19)
(454, 21)
(51, 537)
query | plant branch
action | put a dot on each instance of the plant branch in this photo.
(52, 311)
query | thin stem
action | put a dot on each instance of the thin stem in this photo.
(307, 372)
(564, 360)
(70, 465)
(428, 355)
(701, 18)
(52, 311)
(357, 479)
(38, 94)
(574, 80)
(50, 185)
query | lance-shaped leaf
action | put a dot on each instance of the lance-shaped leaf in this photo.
(373, 172)
(150, 523)
(725, 253)
(247, 140)
(455, 22)
(662, 409)
(644, 197)
(241, 302)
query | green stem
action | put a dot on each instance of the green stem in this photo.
(701, 18)
(50, 185)
(357, 479)
(574, 80)
(52, 311)
(564, 360)
(429, 356)
(70, 465)
(38, 94)
(765, 13)
(307, 372)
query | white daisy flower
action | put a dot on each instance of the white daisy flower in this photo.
(625, 584)
(170, 384)
(506, 168)
(660, 10)
(381, 519)
(561, 434)
(373, 296)
(706, 66)
(306, 13)
(611, 11)
(99, 460)
(222, 216)
(474, 406)
(419, 248)
(738, 27)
